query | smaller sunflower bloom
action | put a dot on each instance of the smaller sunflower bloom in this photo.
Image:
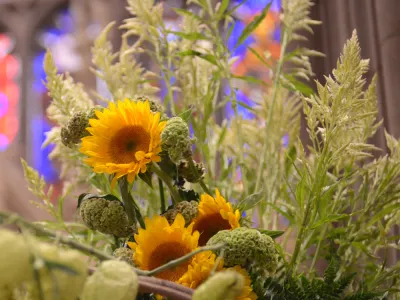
(214, 215)
(247, 293)
(199, 269)
(161, 242)
(124, 138)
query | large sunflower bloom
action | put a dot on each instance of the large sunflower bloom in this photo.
(160, 243)
(124, 138)
(199, 269)
(247, 293)
(214, 214)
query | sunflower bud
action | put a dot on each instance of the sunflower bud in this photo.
(112, 280)
(106, 216)
(62, 270)
(247, 247)
(192, 175)
(124, 254)
(224, 285)
(187, 209)
(176, 139)
(14, 258)
(75, 130)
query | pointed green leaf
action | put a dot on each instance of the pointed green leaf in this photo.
(251, 79)
(387, 210)
(253, 25)
(222, 8)
(186, 114)
(192, 36)
(329, 219)
(262, 59)
(299, 86)
(184, 12)
(208, 57)
(146, 177)
(272, 233)
(250, 201)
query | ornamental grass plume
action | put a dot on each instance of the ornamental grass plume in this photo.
(247, 247)
(106, 216)
(114, 280)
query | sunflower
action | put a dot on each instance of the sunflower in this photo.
(199, 269)
(247, 293)
(124, 138)
(160, 243)
(214, 214)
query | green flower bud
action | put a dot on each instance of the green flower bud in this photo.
(176, 139)
(187, 209)
(124, 254)
(114, 279)
(106, 216)
(189, 174)
(60, 270)
(224, 285)
(247, 247)
(15, 258)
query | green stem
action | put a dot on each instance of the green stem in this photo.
(176, 198)
(162, 196)
(271, 109)
(131, 208)
(180, 260)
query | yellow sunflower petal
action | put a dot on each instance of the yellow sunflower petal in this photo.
(247, 293)
(215, 214)
(124, 138)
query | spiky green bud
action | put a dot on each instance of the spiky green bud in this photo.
(247, 247)
(224, 285)
(191, 175)
(114, 279)
(62, 270)
(124, 254)
(14, 258)
(75, 130)
(187, 209)
(106, 216)
(176, 139)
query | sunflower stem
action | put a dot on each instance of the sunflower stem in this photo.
(131, 208)
(176, 198)
(162, 196)
(180, 260)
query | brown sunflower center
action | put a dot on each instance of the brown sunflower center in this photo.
(209, 225)
(166, 252)
(126, 142)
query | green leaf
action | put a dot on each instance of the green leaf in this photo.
(329, 219)
(364, 249)
(262, 59)
(192, 36)
(184, 12)
(253, 25)
(231, 11)
(146, 177)
(186, 114)
(291, 154)
(250, 201)
(222, 8)
(387, 210)
(208, 57)
(251, 79)
(299, 86)
(272, 233)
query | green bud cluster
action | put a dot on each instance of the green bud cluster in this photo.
(189, 174)
(224, 285)
(187, 209)
(114, 279)
(106, 216)
(75, 130)
(176, 139)
(154, 107)
(124, 254)
(247, 247)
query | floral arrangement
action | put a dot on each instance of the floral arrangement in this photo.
(181, 203)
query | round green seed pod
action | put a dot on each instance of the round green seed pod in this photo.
(60, 270)
(187, 209)
(15, 258)
(114, 280)
(189, 174)
(224, 285)
(124, 254)
(106, 216)
(247, 247)
(176, 139)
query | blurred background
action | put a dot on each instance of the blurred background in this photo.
(68, 28)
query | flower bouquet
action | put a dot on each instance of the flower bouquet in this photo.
(176, 200)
